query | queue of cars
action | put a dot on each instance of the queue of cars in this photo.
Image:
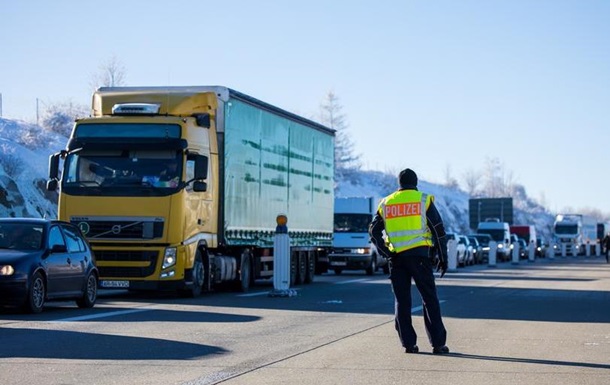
(474, 248)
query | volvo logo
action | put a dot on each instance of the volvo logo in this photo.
(84, 227)
(116, 229)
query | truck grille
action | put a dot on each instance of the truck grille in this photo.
(126, 256)
(120, 229)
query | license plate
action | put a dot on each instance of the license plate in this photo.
(338, 263)
(114, 284)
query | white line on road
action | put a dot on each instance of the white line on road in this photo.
(352, 281)
(258, 293)
(101, 315)
(418, 308)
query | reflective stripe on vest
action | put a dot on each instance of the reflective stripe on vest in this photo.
(404, 214)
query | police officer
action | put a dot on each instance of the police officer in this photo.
(606, 246)
(412, 226)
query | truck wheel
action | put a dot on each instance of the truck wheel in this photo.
(386, 269)
(197, 277)
(373, 266)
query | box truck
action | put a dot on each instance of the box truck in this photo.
(352, 247)
(179, 187)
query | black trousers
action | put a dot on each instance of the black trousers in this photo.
(419, 268)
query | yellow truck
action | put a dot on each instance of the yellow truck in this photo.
(179, 188)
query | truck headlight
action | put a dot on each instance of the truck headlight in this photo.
(169, 259)
(6, 270)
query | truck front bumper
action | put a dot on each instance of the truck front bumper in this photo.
(349, 261)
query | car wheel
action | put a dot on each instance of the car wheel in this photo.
(37, 294)
(90, 294)
(338, 271)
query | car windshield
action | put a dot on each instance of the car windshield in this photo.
(20, 236)
(483, 239)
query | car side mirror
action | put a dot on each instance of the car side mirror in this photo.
(59, 249)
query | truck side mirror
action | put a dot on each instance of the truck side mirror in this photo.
(54, 166)
(199, 186)
(53, 172)
(52, 185)
(201, 167)
(203, 120)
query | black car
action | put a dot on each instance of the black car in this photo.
(42, 260)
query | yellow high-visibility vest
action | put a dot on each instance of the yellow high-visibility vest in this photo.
(404, 214)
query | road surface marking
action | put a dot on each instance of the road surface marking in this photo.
(418, 308)
(352, 281)
(258, 293)
(101, 315)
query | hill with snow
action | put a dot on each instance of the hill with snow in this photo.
(25, 149)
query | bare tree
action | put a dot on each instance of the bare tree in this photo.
(472, 179)
(450, 181)
(111, 73)
(59, 117)
(331, 115)
(498, 181)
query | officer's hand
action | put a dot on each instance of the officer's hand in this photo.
(442, 267)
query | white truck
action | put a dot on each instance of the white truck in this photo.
(568, 233)
(352, 247)
(500, 233)
(573, 232)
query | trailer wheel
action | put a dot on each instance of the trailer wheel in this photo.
(302, 274)
(294, 267)
(245, 278)
(311, 267)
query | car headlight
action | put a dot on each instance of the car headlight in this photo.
(6, 270)
(169, 259)
(362, 250)
(500, 246)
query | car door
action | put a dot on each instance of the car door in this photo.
(77, 258)
(56, 263)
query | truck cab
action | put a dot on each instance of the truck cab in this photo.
(352, 247)
(500, 233)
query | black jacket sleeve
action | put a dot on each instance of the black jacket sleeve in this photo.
(436, 226)
(376, 233)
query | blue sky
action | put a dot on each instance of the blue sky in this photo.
(431, 85)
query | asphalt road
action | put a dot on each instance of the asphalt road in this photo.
(546, 322)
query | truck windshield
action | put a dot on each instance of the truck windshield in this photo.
(122, 172)
(352, 223)
(566, 229)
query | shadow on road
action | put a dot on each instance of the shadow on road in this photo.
(88, 346)
(529, 361)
